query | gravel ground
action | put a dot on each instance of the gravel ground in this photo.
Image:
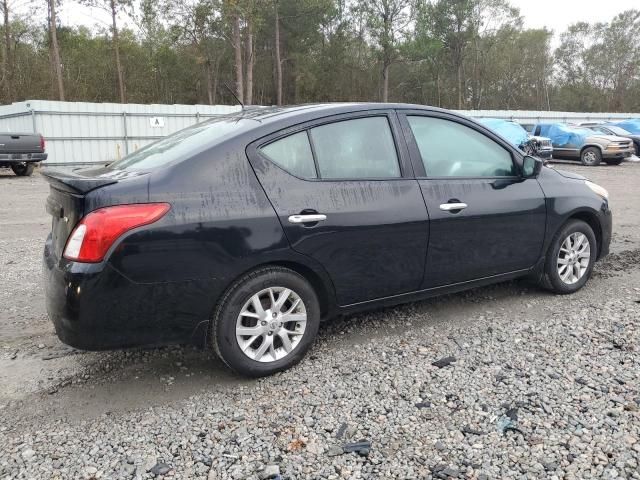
(525, 384)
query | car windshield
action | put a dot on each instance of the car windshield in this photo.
(617, 130)
(182, 144)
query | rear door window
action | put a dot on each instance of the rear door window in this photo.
(360, 148)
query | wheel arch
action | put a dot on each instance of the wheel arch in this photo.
(320, 282)
(591, 219)
(326, 295)
(589, 145)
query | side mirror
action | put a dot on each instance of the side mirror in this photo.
(531, 167)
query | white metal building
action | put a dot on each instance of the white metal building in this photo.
(82, 132)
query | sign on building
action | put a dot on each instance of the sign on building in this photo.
(156, 122)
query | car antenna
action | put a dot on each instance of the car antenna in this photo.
(234, 94)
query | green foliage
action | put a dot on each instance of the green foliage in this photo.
(449, 53)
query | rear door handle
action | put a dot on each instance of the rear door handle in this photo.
(447, 207)
(307, 218)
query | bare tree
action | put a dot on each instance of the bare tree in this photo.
(278, 59)
(116, 49)
(55, 49)
(7, 57)
(387, 21)
(250, 60)
(113, 8)
(237, 49)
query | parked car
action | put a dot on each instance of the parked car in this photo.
(574, 142)
(244, 232)
(611, 129)
(540, 147)
(632, 125)
(21, 152)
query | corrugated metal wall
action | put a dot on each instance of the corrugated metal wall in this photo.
(82, 132)
(524, 116)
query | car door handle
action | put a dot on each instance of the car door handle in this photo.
(447, 207)
(307, 218)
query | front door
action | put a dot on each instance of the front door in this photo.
(344, 192)
(486, 219)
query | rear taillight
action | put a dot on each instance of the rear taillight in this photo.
(42, 142)
(96, 233)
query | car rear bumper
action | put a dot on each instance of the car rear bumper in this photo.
(94, 307)
(12, 158)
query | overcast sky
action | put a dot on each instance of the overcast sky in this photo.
(556, 15)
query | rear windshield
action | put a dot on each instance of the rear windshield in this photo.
(182, 144)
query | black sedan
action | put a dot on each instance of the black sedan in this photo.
(244, 232)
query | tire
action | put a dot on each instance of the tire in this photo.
(591, 156)
(269, 284)
(614, 161)
(23, 169)
(637, 145)
(552, 279)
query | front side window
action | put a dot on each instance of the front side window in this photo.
(353, 149)
(449, 149)
(292, 153)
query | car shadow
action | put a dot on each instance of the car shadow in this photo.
(125, 380)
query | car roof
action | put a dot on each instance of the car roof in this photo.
(278, 113)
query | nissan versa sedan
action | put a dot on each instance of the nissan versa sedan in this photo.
(243, 233)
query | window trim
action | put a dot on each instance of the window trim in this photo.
(403, 157)
(416, 156)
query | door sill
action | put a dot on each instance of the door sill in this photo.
(433, 291)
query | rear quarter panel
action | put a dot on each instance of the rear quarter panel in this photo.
(220, 225)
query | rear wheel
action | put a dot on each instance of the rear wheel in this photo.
(265, 322)
(23, 169)
(614, 161)
(570, 258)
(591, 156)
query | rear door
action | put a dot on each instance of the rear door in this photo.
(344, 192)
(485, 219)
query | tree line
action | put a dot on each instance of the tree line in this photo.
(465, 54)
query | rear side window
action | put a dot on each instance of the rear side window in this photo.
(293, 153)
(358, 148)
(449, 149)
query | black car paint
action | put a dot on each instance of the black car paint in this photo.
(160, 283)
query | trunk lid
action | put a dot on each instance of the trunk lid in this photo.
(20, 143)
(67, 195)
(66, 210)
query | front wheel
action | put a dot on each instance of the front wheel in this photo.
(265, 322)
(23, 169)
(570, 258)
(591, 156)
